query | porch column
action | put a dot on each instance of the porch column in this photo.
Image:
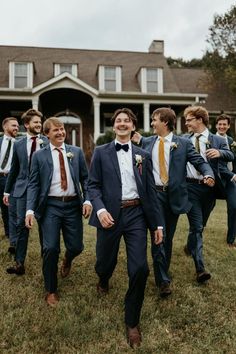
(146, 117)
(178, 125)
(96, 105)
(35, 103)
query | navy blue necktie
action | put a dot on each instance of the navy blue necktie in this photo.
(125, 147)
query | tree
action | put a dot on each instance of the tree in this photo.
(220, 59)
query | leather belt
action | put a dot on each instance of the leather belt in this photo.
(195, 180)
(65, 198)
(2, 174)
(130, 203)
(162, 188)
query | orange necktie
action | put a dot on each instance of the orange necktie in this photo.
(62, 170)
(162, 165)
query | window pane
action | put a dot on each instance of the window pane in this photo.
(21, 69)
(110, 85)
(151, 74)
(151, 86)
(65, 68)
(20, 82)
(110, 73)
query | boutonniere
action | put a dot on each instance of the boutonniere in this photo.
(173, 146)
(233, 146)
(69, 155)
(40, 141)
(208, 144)
(139, 163)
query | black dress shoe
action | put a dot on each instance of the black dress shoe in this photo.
(203, 276)
(17, 269)
(12, 249)
(165, 289)
(102, 289)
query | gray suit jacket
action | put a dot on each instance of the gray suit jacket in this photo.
(182, 152)
(19, 172)
(105, 188)
(41, 177)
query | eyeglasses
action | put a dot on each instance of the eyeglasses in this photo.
(189, 120)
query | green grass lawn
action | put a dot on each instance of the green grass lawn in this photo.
(195, 319)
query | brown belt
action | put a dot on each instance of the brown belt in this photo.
(195, 180)
(162, 188)
(2, 174)
(130, 203)
(65, 198)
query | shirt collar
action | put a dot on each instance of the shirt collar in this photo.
(168, 137)
(30, 136)
(6, 137)
(205, 133)
(52, 147)
(128, 142)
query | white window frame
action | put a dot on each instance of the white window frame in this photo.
(142, 78)
(12, 74)
(101, 78)
(74, 69)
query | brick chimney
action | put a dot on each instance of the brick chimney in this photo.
(156, 46)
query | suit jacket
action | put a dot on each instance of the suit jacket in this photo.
(219, 165)
(105, 188)
(225, 173)
(182, 153)
(19, 172)
(41, 177)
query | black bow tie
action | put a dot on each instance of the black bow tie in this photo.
(125, 147)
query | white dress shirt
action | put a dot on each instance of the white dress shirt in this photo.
(203, 140)
(4, 146)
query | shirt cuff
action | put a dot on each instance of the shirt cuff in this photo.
(100, 211)
(87, 202)
(160, 228)
(29, 212)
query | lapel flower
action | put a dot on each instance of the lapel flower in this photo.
(139, 162)
(233, 146)
(69, 155)
(40, 141)
(173, 146)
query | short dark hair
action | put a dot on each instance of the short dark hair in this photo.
(52, 120)
(127, 111)
(8, 119)
(28, 115)
(166, 115)
(223, 117)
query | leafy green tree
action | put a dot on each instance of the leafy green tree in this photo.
(220, 58)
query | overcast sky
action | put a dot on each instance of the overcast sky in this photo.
(111, 24)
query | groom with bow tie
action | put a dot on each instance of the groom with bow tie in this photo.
(122, 192)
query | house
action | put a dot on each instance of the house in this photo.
(84, 87)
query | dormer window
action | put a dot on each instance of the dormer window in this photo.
(110, 78)
(65, 68)
(151, 80)
(20, 75)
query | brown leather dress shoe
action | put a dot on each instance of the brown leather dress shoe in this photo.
(134, 337)
(11, 249)
(17, 269)
(203, 276)
(165, 289)
(52, 299)
(65, 268)
(102, 290)
(232, 246)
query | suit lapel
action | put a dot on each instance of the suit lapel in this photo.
(70, 162)
(113, 157)
(135, 168)
(176, 141)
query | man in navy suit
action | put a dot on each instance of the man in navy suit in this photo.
(10, 127)
(213, 149)
(18, 181)
(222, 126)
(122, 192)
(58, 175)
(172, 193)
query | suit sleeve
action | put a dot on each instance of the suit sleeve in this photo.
(95, 182)
(33, 188)
(225, 153)
(83, 173)
(198, 161)
(14, 171)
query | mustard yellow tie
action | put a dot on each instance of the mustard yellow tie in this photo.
(162, 165)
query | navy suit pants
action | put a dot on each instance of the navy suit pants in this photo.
(202, 199)
(231, 211)
(131, 224)
(66, 217)
(4, 208)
